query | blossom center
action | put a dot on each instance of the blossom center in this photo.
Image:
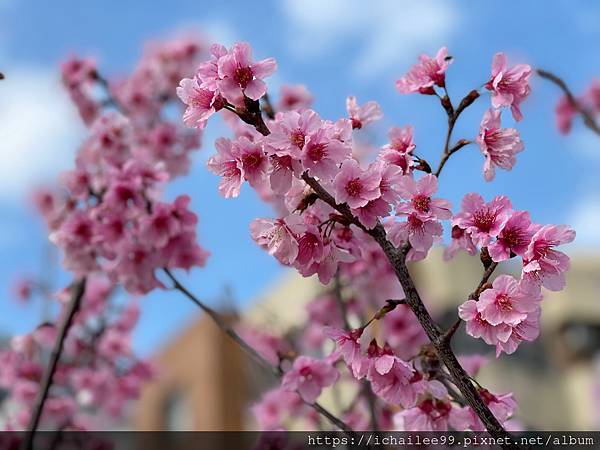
(484, 219)
(297, 138)
(504, 301)
(354, 187)
(243, 76)
(317, 152)
(421, 203)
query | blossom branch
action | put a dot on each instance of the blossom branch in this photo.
(77, 292)
(276, 371)
(588, 117)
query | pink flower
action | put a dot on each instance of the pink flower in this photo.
(348, 344)
(279, 237)
(391, 176)
(308, 376)
(208, 71)
(514, 238)
(290, 131)
(201, 103)
(505, 302)
(390, 377)
(542, 264)
(295, 97)
(429, 415)
(399, 150)
(478, 327)
(226, 165)
(509, 86)
(114, 344)
(275, 406)
(355, 186)
(565, 112)
(526, 330)
(369, 214)
(419, 233)
(240, 76)
(362, 115)
(461, 240)
(502, 406)
(498, 145)
(323, 152)
(483, 221)
(420, 204)
(252, 159)
(425, 74)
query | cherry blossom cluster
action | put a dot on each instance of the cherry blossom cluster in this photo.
(567, 109)
(508, 312)
(98, 373)
(107, 215)
(284, 154)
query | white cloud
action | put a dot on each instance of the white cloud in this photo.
(387, 32)
(39, 130)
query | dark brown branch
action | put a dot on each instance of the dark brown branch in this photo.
(275, 371)
(588, 117)
(77, 292)
(453, 116)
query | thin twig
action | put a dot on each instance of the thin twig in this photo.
(453, 115)
(588, 118)
(276, 371)
(77, 292)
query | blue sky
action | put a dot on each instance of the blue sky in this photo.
(335, 47)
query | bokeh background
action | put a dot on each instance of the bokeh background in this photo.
(336, 48)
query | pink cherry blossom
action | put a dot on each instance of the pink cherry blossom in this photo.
(296, 97)
(240, 76)
(506, 302)
(355, 186)
(425, 74)
(509, 86)
(543, 265)
(483, 221)
(226, 165)
(419, 202)
(429, 415)
(279, 236)
(565, 113)
(369, 214)
(348, 344)
(420, 234)
(478, 327)
(201, 103)
(399, 150)
(498, 145)
(275, 406)
(308, 376)
(323, 152)
(526, 330)
(514, 238)
(362, 115)
(502, 406)
(390, 377)
(290, 132)
(461, 240)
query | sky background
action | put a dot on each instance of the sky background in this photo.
(336, 48)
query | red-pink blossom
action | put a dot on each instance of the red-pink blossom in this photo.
(565, 112)
(514, 238)
(419, 202)
(201, 103)
(506, 302)
(294, 97)
(308, 376)
(419, 233)
(226, 165)
(323, 152)
(355, 186)
(483, 221)
(543, 265)
(509, 86)
(279, 237)
(427, 73)
(431, 414)
(498, 145)
(362, 115)
(461, 240)
(240, 76)
(399, 150)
